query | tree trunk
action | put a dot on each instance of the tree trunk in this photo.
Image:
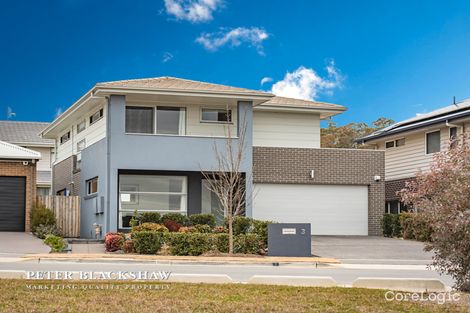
(230, 234)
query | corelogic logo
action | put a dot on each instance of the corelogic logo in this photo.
(437, 297)
(87, 275)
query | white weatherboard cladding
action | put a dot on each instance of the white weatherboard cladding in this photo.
(405, 161)
(44, 164)
(281, 129)
(330, 209)
(92, 134)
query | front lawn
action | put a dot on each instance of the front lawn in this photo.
(16, 297)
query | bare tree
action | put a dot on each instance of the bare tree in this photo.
(227, 181)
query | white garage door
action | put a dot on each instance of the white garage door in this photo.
(330, 209)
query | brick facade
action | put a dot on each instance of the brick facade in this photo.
(63, 174)
(393, 186)
(16, 168)
(332, 166)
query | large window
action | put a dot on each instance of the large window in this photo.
(216, 115)
(433, 142)
(170, 121)
(139, 120)
(150, 193)
(160, 120)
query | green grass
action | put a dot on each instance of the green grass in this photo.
(16, 297)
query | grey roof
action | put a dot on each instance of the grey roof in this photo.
(173, 83)
(24, 133)
(281, 101)
(448, 113)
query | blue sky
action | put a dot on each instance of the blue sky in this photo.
(378, 58)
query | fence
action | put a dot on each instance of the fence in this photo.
(67, 212)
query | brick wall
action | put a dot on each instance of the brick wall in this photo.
(332, 166)
(63, 174)
(393, 186)
(12, 168)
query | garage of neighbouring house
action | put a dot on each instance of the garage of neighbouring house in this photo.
(17, 186)
(330, 209)
(337, 191)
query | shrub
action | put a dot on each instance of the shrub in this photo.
(113, 241)
(260, 228)
(56, 243)
(415, 226)
(391, 225)
(172, 225)
(240, 224)
(189, 243)
(128, 246)
(202, 219)
(202, 228)
(148, 217)
(147, 242)
(43, 230)
(150, 227)
(220, 242)
(41, 215)
(177, 217)
(248, 244)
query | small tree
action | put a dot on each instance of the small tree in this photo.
(228, 182)
(443, 196)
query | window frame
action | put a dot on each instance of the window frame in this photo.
(182, 110)
(78, 126)
(88, 185)
(61, 137)
(390, 141)
(451, 138)
(228, 110)
(184, 194)
(426, 141)
(395, 143)
(84, 145)
(101, 114)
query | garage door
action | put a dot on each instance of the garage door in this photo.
(331, 210)
(12, 203)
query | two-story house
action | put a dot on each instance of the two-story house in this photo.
(141, 145)
(26, 135)
(410, 145)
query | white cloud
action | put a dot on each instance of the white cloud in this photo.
(305, 83)
(167, 56)
(58, 112)
(265, 80)
(10, 113)
(192, 10)
(253, 36)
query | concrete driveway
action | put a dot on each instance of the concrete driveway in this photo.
(368, 249)
(15, 244)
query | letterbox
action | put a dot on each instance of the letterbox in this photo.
(289, 239)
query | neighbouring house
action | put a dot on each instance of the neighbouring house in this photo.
(140, 145)
(410, 145)
(26, 134)
(17, 186)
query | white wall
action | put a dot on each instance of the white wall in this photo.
(407, 160)
(92, 133)
(45, 163)
(281, 129)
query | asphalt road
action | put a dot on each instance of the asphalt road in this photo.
(344, 274)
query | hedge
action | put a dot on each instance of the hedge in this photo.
(147, 242)
(407, 225)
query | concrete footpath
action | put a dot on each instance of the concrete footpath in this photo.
(168, 259)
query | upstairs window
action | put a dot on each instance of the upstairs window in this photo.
(170, 120)
(81, 145)
(96, 116)
(92, 186)
(453, 136)
(140, 120)
(216, 115)
(395, 143)
(81, 126)
(389, 144)
(65, 137)
(433, 142)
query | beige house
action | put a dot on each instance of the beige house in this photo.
(411, 144)
(26, 135)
